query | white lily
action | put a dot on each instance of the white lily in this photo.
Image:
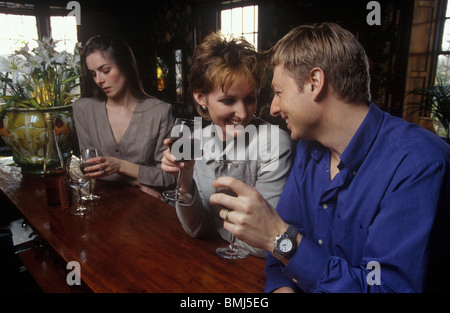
(42, 76)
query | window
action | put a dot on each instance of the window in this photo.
(241, 21)
(64, 30)
(443, 63)
(16, 31)
(19, 26)
(161, 73)
(179, 75)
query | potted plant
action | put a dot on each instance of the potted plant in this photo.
(32, 82)
(435, 108)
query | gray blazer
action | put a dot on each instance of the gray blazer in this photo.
(141, 144)
(270, 169)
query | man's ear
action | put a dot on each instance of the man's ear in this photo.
(316, 83)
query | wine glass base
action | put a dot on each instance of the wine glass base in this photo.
(90, 197)
(183, 197)
(229, 252)
(80, 210)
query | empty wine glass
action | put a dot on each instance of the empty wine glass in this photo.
(184, 146)
(87, 154)
(76, 180)
(241, 171)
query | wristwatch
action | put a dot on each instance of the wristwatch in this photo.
(286, 244)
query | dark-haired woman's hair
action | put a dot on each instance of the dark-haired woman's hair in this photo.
(118, 51)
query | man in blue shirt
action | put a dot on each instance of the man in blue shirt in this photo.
(359, 210)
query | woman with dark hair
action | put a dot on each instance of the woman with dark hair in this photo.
(118, 118)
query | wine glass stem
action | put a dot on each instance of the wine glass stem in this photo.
(178, 188)
(80, 199)
(90, 187)
(232, 242)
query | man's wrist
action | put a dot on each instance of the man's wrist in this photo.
(285, 244)
(280, 228)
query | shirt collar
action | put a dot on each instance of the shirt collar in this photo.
(361, 143)
(213, 146)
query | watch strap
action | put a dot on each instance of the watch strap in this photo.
(290, 233)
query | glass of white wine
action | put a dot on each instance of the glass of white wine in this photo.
(86, 154)
(241, 171)
(77, 180)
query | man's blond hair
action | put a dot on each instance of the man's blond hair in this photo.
(334, 50)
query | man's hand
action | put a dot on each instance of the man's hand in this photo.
(252, 219)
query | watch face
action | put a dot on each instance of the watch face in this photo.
(285, 245)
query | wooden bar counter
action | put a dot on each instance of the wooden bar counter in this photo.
(129, 242)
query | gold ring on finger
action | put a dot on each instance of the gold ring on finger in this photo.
(226, 216)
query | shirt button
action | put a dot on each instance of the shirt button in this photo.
(320, 242)
(354, 173)
(325, 206)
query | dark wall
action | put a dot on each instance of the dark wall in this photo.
(386, 44)
(157, 28)
(152, 29)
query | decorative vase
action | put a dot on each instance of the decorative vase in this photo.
(427, 123)
(23, 130)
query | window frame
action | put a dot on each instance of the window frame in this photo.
(42, 12)
(441, 19)
(232, 4)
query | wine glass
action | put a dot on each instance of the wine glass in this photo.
(87, 154)
(241, 171)
(185, 140)
(76, 180)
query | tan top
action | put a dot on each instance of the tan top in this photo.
(269, 153)
(141, 144)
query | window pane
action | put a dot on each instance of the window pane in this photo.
(179, 75)
(443, 68)
(446, 36)
(177, 56)
(236, 21)
(64, 30)
(249, 19)
(249, 37)
(16, 31)
(241, 21)
(256, 19)
(226, 21)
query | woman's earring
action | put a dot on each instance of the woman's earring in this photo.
(204, 108)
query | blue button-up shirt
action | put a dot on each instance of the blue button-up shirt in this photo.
(379, 209)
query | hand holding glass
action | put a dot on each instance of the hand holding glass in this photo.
(184, 146)
(87, 154)
(241, 171)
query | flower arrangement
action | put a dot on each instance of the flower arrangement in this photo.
(40, 78)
